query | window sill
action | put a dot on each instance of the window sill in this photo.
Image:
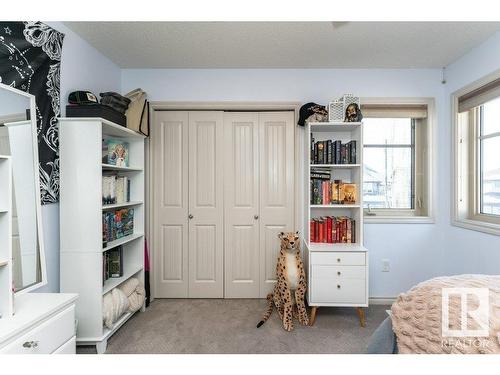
(478, 226)
(399, 219)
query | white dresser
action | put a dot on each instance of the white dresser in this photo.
(337, 278)
(43, 323)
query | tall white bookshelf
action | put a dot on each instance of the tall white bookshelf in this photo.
(6, 297)
(337, 272)
(81, 209)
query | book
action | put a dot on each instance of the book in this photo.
(115, 262)
(332, 229)
(320, 152)
(117, 152)
(349, 191)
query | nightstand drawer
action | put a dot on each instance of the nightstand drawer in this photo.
(338, 272)
(46, 337)
(341, 291)
(340, 258)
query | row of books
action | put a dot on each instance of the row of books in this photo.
(333, 152)
(117, 224)
(331, 229)
(112, 264)
(115, 189)
(324, 191)
(115, 152)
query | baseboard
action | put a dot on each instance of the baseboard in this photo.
(381, 300)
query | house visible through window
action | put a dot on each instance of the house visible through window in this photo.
(389, 161)
(395, 160)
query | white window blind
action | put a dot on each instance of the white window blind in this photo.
(479, 96)
(394, 111)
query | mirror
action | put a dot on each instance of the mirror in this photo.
(18, 139)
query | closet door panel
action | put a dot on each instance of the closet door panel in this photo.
(206, 205)
(170, 184)
(276, 132)
(241, 202)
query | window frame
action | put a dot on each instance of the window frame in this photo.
(422, 168)
(466, 171)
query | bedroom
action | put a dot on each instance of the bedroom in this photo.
(211, 153)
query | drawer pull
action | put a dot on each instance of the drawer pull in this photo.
(338, 273)
(338, 286)
(338, 260)
(30, 344)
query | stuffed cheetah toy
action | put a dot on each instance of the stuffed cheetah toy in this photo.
(291, 286)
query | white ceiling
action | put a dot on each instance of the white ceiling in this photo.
(284, 44)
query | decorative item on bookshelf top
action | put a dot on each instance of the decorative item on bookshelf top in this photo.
(337, 109)
(331, 229)
(333, 152)
(115, 152)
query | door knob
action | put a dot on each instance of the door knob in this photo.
(190, 216)
(256, 217)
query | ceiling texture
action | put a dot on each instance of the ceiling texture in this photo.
(284, 44)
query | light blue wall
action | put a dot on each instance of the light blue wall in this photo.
(82, 68)
(467, 251)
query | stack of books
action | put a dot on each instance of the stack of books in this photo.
(324, 191)
(112, 263)
(331, 229)
(117, 224)
(115, 189)
(333, 152)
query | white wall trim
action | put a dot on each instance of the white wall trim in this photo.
(220, 106)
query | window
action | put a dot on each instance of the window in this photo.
(477, 164)
(396, 181)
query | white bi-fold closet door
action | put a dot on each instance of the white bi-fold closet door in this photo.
(223, 188)
(258, 198)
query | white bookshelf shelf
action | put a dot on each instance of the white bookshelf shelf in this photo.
(119, 205)
(4, 263)
(334, 126)
(110, 167)
(122, 241)
(3, 210)
(336, 166)
(335, 206)
(82, 250)
(329, 247)
(112, 283)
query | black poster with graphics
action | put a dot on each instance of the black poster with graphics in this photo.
(30, 60)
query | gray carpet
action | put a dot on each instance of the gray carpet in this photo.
(219, 326)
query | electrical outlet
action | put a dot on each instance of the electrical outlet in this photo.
(386, 265)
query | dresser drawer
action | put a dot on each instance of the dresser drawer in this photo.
(341, 291)
(338, 272)
(68, 347)
(46, 337)
(340, 258)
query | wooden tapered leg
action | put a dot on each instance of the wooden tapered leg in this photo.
(312, 319)
(361, 314)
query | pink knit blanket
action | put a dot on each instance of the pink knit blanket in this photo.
(428, 318)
